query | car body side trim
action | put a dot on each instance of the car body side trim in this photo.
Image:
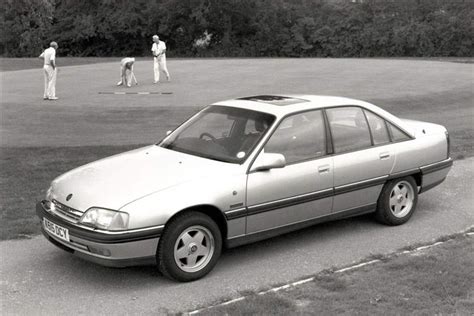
(290, 201)
(304, 198)
(272, 232)
(402, 174)
(437, 166)
(236, 213)
(360, 185)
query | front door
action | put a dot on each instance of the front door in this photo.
(300, 191)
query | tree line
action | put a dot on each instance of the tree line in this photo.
(239, 28)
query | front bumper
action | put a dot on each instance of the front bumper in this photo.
(113, 249)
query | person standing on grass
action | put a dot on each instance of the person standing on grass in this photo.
(126, 72)
(159, 58)
(50, 71)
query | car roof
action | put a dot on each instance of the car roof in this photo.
(282, 105)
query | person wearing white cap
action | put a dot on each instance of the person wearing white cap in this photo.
(126, 72)
(50, 71)
(159, 58)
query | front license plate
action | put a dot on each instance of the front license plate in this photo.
(56, 230)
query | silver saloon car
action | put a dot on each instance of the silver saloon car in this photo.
(240, 171)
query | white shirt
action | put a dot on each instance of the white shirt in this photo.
(48, 55)
(127, 60)
(158, 48)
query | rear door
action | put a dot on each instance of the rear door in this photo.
(363, 157)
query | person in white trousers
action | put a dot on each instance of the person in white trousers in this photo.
(126, 72)
(159, 58)
(50, 71)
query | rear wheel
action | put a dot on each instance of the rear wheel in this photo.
(397, 202)
(189, 247)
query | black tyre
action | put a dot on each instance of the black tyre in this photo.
(189, 247)
(397, 202)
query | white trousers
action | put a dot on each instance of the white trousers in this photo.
(159, 64)
(126, 76)
(49, 81)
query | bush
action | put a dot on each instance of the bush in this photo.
(287, 28)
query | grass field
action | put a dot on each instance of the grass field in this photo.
(437, 281)
(13, 64)
(41, 139)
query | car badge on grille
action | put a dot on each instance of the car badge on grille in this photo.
(68, 197)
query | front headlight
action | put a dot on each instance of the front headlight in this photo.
(105, 219)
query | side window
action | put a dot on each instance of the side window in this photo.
(378, 128)
(397, 134)
(349, 129)
(299, 137)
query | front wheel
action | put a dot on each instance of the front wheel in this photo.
(189, 247)
(397, 202)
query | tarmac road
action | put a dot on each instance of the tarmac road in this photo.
(38, 278)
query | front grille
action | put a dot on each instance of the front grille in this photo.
(65, 211)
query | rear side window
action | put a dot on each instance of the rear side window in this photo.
(397, 134)
(349, 129)
(378, 128)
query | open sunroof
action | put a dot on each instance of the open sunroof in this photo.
(274, 99)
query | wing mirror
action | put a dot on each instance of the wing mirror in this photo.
(267, 161)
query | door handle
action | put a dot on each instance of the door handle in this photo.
(323, 169)
(384, 155)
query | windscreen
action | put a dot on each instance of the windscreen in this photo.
(221, 133)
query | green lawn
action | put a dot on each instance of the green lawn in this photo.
(12, 64)
(436, 281)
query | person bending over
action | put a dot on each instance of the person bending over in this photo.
(126, 72)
